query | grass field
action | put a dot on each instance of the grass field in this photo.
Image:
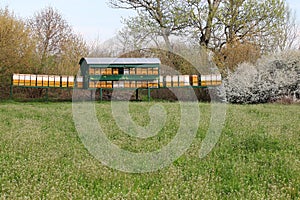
(257, 156)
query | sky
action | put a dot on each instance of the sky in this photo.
(93, 19)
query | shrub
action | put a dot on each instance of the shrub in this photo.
(270, 79)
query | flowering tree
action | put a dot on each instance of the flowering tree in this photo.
(270, 79)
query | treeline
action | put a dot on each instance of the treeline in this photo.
(190, 37)
(42, 44)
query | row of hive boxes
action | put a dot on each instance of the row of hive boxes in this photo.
(33, 80)
(126, 71)
(211, 80)
(190, 80)
(123, 84)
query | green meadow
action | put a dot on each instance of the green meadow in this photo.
(256, 157)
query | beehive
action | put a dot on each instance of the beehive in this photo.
(45, 80)
(169, 81)
(127, 84)
(132, 71)
(150, 71)
(133, 84)
(71, 81)
(64, 81)
(186, 80)
(39, 80)
(79, 81)
(126, 71)
(109, 84)
(175, 81)
(115, 71)
(194, 80)
(27, 79)
(33, 80)
(92, 71)
(16, 79)
(139, 84)
(161, 81)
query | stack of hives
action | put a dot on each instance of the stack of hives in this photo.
(125, 71)
(34, 80)
(123, 84)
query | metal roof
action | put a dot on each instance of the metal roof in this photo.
(108, 61)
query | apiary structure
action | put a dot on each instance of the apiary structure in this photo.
(120, 72)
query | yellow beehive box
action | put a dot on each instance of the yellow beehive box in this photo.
(132, 71)
(126, 71)
(64, 81)
(109, 84)
(169, 81)
(132, 84)
(186, 80)
(102, 84)
(208, 80)
(27, 79)
(144, 71)
(79, 81)
(91, 71)
(22, 80)
(16, 79)
(121, 84)
(57, 81)
(45, 80)
(203, 80)
(115, 71)
(139, 71)
(139, 84)
(194, 80)
(97, 84)
(153, 84)
(92, 84)
(144, 84)
(51, 81)
(39, 79)
(109, 71)
(161, 81)
(97, 71)
(33, 80)
(102, 71)
(150, 71)
(127, 84)
(175, 80)
(70, 81)
(115, 84)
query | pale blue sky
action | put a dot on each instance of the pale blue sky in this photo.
(91, 18)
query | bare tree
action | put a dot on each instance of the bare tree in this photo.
(55, 39)
(166, 17)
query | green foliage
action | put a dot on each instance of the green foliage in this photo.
(257, 156)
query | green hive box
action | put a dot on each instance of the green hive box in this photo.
(120, 72)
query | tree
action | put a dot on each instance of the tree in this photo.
(164, 17)
(16, 48)
(56, 42)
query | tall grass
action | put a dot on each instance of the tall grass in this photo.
(257, 156)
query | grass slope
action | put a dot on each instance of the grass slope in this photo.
(257, 156)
